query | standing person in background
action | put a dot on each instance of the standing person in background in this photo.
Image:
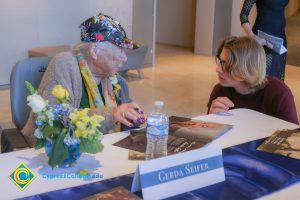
(271, 20)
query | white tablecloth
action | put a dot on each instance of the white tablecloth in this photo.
(248, 125)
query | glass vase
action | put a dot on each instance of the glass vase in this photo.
(73, 153)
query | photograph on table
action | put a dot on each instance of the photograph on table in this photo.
(184, 134)
(283, 142)
(197, 130)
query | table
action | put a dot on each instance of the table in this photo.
(248, 125)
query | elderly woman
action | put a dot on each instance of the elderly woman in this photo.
(89, 74)
(241, 70)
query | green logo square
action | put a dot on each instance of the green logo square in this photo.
(22, 176)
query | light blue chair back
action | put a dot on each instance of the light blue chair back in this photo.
(29, 69)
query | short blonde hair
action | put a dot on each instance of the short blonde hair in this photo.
(246, 61)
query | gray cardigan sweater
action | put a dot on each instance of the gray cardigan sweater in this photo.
(64, 70)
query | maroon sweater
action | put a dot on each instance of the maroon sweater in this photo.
(275, 99)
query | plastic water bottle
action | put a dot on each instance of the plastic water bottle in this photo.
(157, 132)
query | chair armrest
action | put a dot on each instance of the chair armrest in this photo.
(12, 140)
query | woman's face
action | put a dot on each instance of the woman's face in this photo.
(107, 59)
(224, 78)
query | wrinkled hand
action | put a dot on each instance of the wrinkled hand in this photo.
(128, 114)
(220, 104)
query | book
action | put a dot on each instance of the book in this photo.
(118, 193)
(273, 42)
(283, 142)
(184, 134)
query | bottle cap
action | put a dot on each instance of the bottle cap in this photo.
(159, 104)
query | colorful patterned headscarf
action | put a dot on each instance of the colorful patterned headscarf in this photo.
(101, 28)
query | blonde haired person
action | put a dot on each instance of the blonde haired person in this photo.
(241, 70)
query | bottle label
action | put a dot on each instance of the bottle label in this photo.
(158, 130)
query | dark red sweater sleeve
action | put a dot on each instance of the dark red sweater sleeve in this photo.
(216, 92)
(281, 101)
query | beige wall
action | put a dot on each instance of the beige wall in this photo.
(175, 22)
(143, 27)
(204, 27)
(31, 23)
(292, 8)
(213, 23)
(222, 22)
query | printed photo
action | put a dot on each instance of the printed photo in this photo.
(284, 142)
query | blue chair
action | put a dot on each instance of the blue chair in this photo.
(32, 70)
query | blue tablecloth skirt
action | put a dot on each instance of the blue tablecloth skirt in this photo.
(249, 174)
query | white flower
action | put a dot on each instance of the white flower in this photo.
(38, 133)
(36, 102)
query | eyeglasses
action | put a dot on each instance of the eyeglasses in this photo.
(220, 62)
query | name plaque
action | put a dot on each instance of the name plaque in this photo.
(176, 174)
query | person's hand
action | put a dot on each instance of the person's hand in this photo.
(128, 114)
(220, 104)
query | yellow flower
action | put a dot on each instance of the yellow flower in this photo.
(74, 118)
(85, 119)
(86, 126)
(96, 120)
(78, 115)
(117, 87)
(80, 125)
(81, 133)
(59, 92)
(84, 171)
(83, 112)
(78, 133)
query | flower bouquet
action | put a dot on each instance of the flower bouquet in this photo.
(64, 131)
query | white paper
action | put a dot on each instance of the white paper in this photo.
(273, 42)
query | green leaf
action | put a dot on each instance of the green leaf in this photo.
(90, 146)
(30, 88)
(52, 131)
(39, 143)
(58, 124)
(59, 152)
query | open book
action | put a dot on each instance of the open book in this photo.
(184, 134)
(273, 42)
(283, 142)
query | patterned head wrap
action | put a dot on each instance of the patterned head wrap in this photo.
(102, 28)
